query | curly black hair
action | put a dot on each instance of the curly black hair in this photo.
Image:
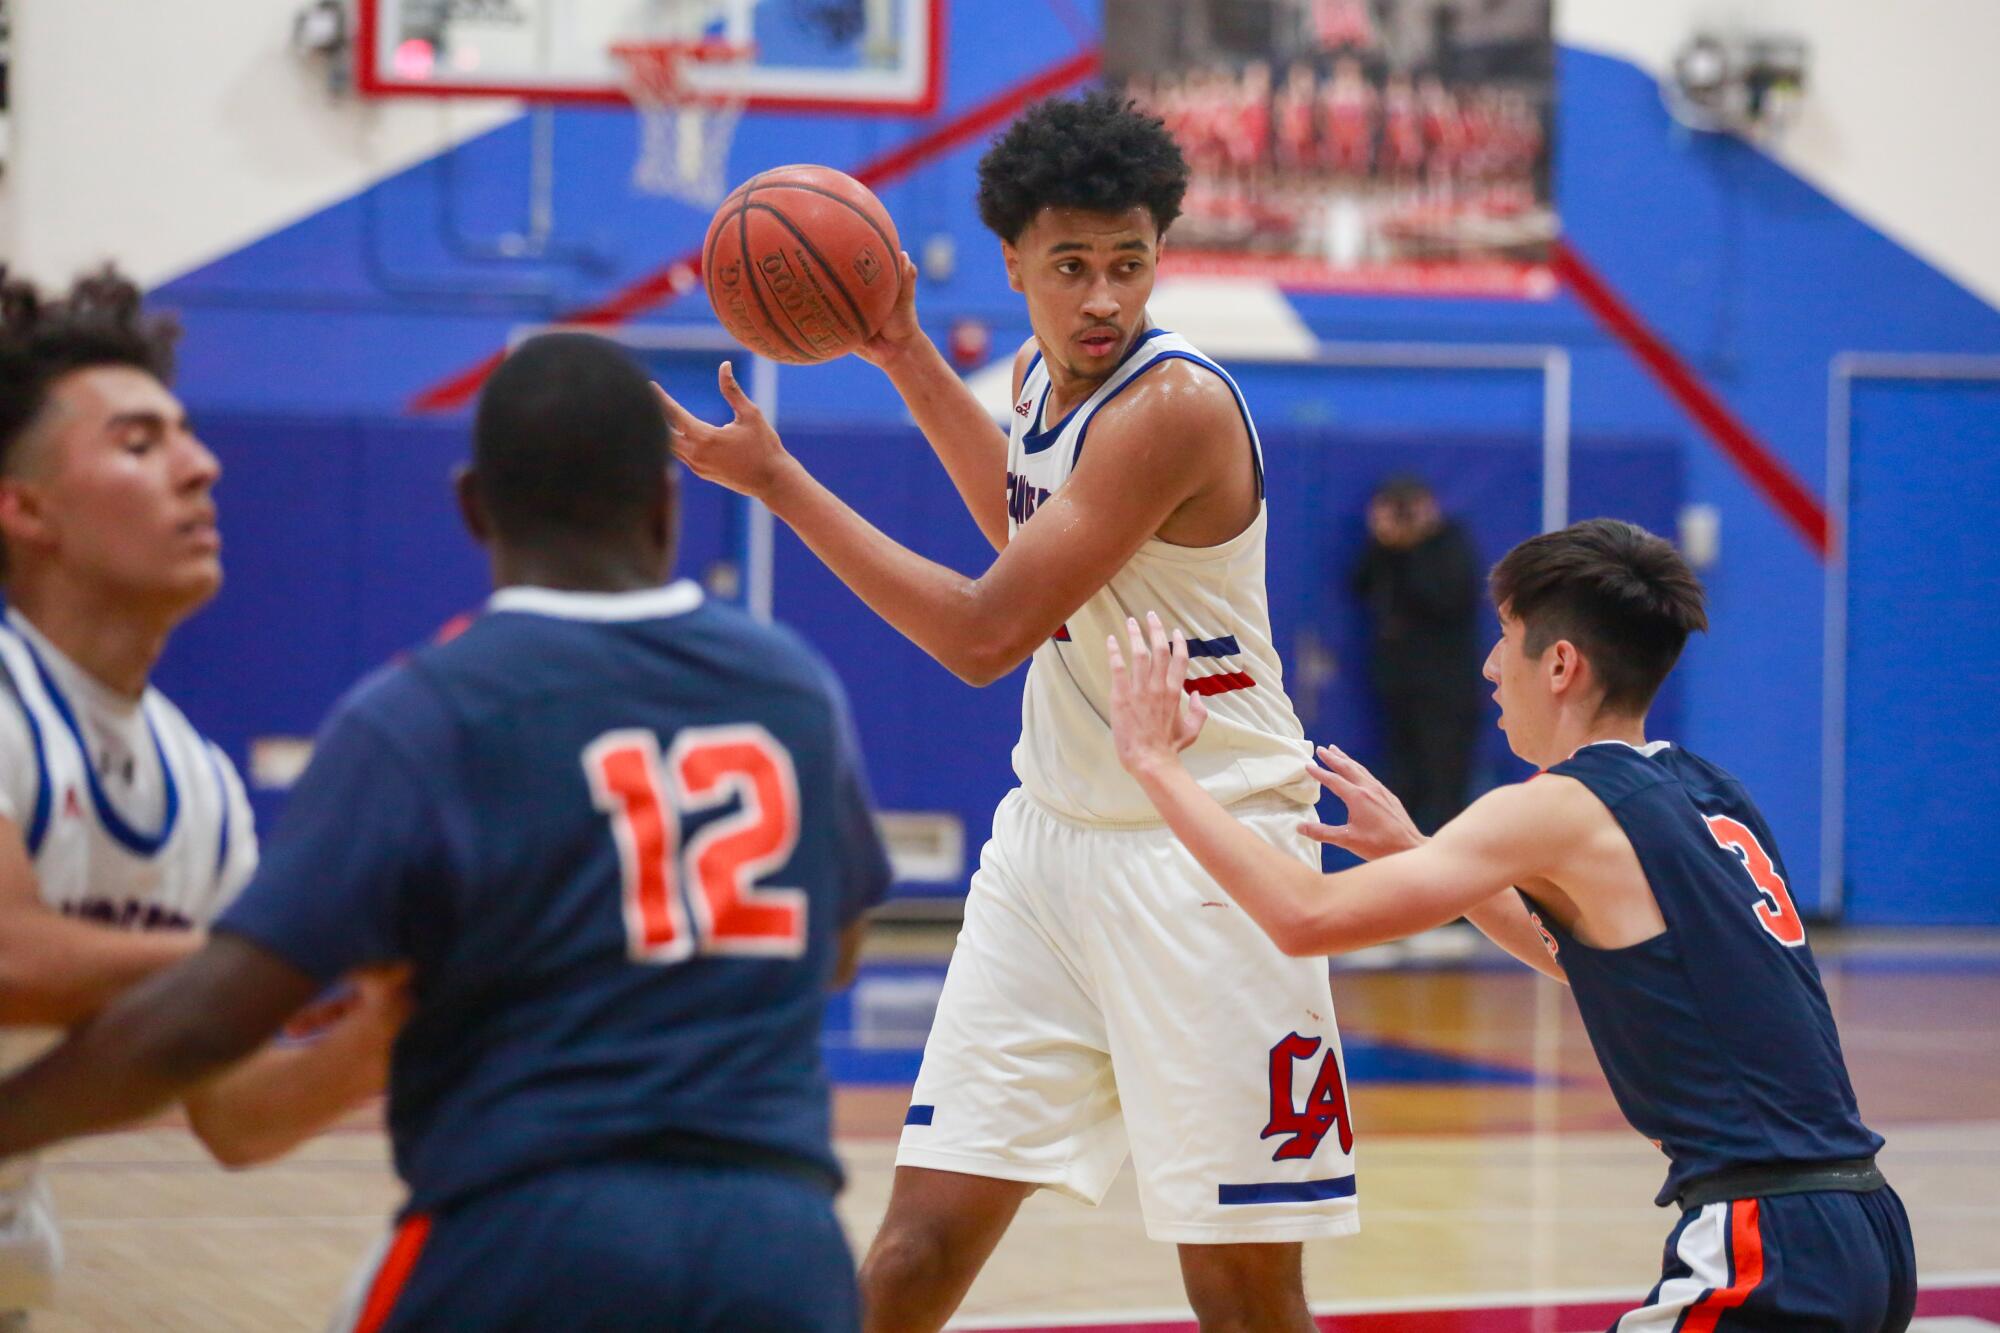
(1098, 152)
(99, 323)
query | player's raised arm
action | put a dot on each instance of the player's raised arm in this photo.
(961, 434)
(55, 972)
(1378, 826)
(1495, 844)
(1167, 441)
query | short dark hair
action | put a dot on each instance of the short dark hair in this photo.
(99, 323)
(569, 446)
(1099, 153)
(1623, 596)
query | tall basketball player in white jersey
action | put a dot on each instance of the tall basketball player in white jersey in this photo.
(121, 827)
(1104, 996)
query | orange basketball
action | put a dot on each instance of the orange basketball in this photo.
(801, 264)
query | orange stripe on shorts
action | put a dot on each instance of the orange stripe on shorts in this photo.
(394, 1273)
(1746, 1248)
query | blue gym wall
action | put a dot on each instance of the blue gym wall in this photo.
(304, 348)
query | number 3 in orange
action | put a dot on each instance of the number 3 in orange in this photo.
(1776, 913)
(645, 796)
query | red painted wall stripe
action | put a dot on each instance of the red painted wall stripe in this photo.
(1760, 466)
(670, 280)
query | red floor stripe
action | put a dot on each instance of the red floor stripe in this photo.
(1967, 1302)
(1763, 468)
(670, 280)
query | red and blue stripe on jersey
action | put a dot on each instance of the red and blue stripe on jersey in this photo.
(1213, 683)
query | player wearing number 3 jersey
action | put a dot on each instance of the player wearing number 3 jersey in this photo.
(621, 836)
(1656, 890)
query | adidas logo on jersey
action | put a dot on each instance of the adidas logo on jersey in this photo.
(1022, 409)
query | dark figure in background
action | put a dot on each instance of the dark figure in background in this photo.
(1418, 582)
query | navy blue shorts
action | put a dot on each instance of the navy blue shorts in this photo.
(620, 1245)
(1819, 1261)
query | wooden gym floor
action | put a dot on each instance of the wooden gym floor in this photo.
(1500, 1189)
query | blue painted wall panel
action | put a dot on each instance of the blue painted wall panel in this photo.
(1923, 701)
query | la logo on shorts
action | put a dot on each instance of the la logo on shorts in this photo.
(1325, 1105)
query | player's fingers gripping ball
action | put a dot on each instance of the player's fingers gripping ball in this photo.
(802, 264)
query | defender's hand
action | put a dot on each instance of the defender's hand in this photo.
(746, 455)
(1153, 717)
(1377, 825)
(900, 331)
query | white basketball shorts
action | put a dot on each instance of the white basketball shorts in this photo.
(1105, 993)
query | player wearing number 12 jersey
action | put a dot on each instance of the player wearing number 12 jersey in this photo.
(621, 837)
(1659, 894)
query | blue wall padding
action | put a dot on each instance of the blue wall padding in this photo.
(1923, 703)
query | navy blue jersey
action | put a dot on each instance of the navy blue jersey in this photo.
(616, 835)
(1715, 1035)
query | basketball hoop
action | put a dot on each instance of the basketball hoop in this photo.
(686, 124)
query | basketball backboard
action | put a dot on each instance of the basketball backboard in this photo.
(822, 55)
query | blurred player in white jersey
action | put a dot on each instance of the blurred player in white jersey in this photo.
(122, 829)
(1104, 996)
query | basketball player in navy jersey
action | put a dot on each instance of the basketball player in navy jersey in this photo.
(621, 837)
(122, 829)
(1661, 897)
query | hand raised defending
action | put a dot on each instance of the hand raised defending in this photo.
(1153, 718)
(1377, 825)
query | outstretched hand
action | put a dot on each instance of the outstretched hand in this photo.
(1377, 824)
(1153, 717)
(746, 455)
(900, 331)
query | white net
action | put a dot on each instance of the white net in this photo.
(687, 116)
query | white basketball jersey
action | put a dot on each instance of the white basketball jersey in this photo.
(1214, 594)
(98, 861)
